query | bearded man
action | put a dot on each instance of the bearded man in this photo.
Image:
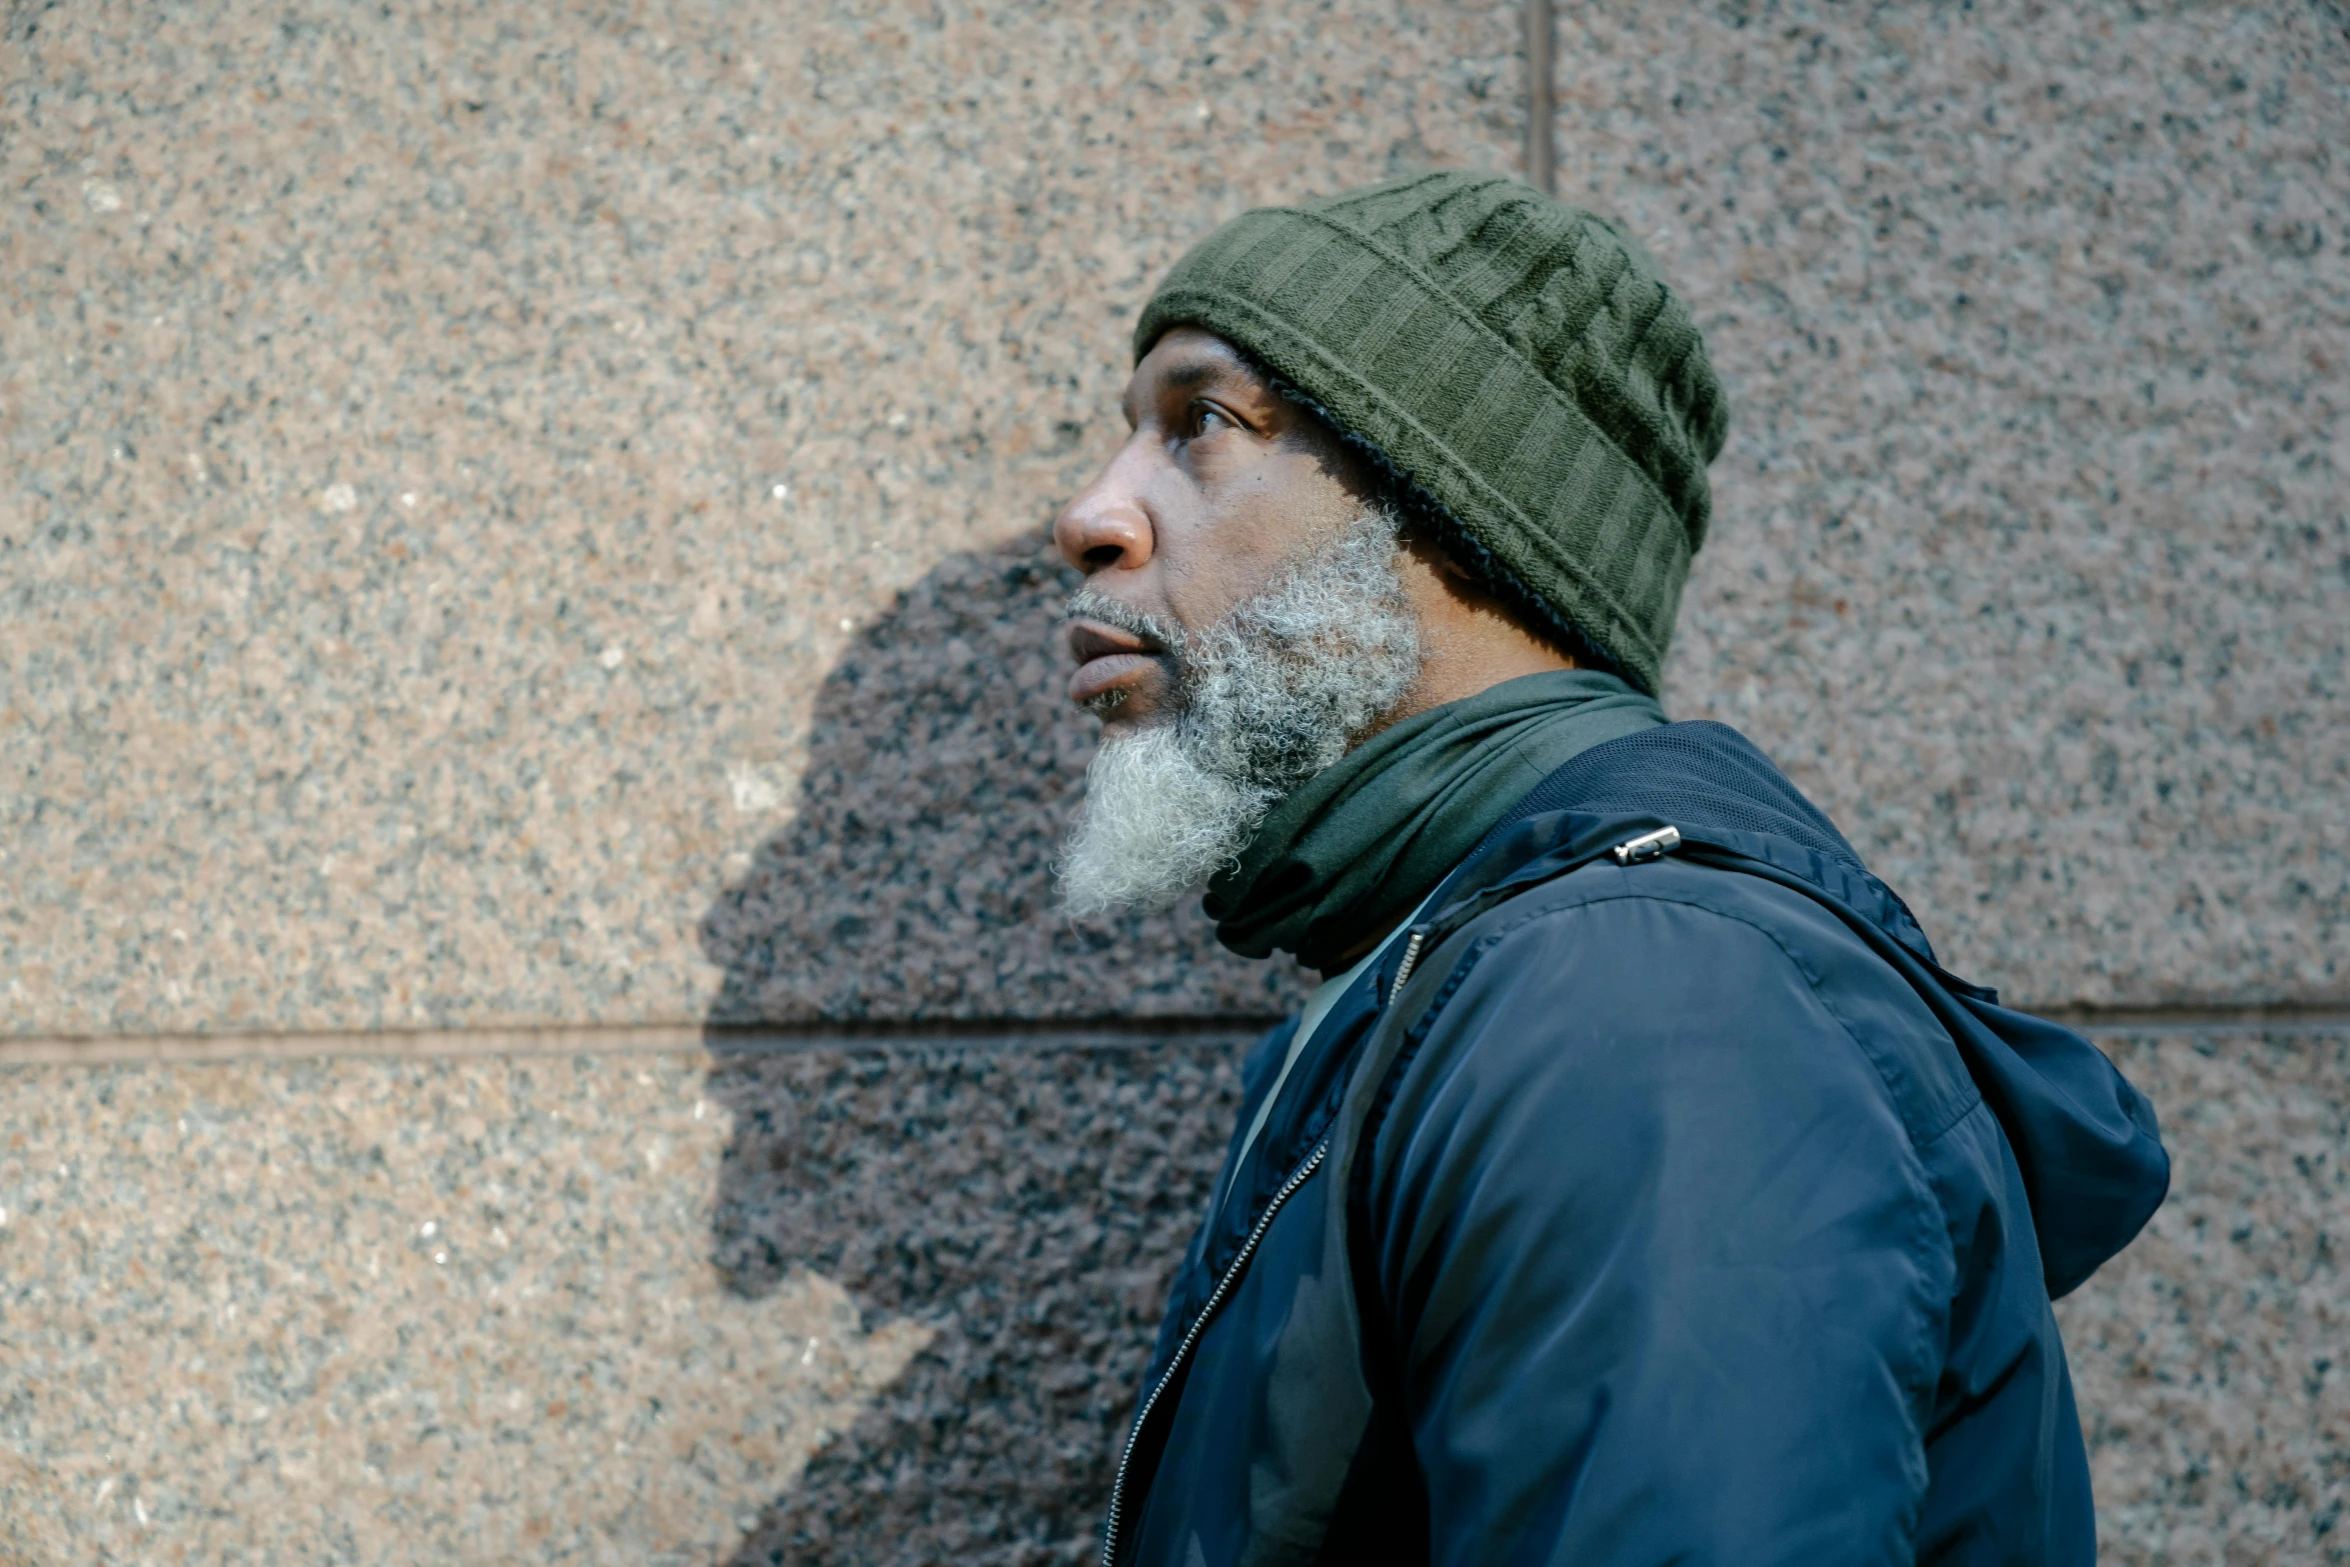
(1637, 1188)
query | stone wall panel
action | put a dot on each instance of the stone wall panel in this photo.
(529, 519)
(448, 452)
(2031, 556)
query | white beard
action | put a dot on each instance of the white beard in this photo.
(1269, 696)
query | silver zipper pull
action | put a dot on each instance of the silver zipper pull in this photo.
(1648, 846)
(1403, 970)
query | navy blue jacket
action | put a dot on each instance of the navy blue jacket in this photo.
(1680, 1210)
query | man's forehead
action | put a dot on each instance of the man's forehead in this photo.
(1188, 359)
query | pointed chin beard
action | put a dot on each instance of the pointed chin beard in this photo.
(1154, 824)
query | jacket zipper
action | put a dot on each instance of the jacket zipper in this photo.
(1403, 970)
(1199, 1325)
(1645, 847)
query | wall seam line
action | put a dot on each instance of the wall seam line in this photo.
(994, 1033)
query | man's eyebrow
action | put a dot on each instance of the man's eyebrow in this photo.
(1184, 376)
(1192, 376)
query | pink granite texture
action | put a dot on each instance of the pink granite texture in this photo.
(874, 1306)
(466, 474)
(2032, 558)
(2209, 1359)
(530, 516)
(448, 455)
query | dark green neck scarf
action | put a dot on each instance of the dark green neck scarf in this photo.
(1357, 846)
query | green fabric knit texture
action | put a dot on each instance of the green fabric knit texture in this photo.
(1523, 361)
(1356, 847)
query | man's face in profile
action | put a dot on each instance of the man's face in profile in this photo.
(1242, 621)
(1222, 485)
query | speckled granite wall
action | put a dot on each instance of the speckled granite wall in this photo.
(449, 453)
(602, 1308)
(526, 518)
(2034, 556)
(421, 1312)
(2210, 1357)
(449, 463)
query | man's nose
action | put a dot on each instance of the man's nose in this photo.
(1106, 525)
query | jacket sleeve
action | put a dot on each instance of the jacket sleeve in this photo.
(1661, 1273)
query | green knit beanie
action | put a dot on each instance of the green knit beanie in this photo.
(1521, 361)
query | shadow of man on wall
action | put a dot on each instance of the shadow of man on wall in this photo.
(1013, 1158)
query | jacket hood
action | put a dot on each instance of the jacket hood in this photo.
(2086, 1141)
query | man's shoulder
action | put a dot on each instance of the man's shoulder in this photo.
(1665, 915)
(1646, 970)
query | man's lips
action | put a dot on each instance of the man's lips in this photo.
(1107, 658)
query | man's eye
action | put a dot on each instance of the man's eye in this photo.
(1207, 418)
